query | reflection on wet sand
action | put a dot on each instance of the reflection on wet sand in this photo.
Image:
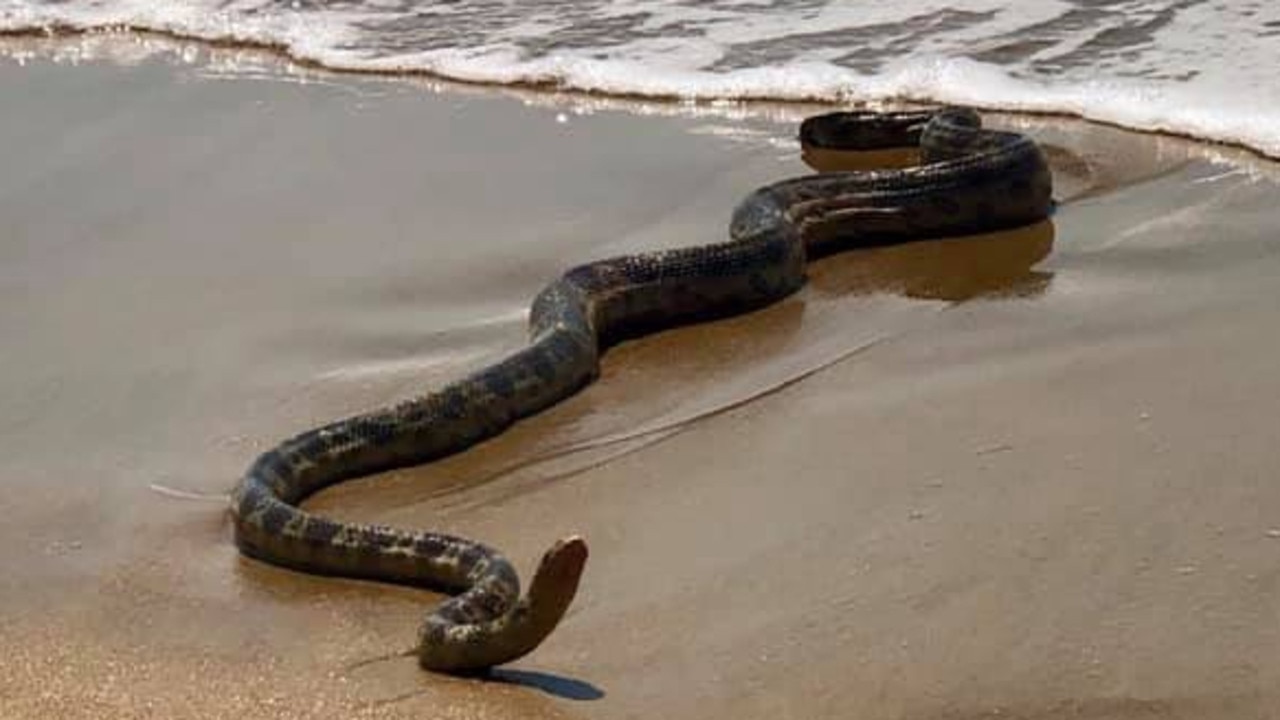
(951, 269)
(826, 160)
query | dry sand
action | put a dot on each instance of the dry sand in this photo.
(1030, 475)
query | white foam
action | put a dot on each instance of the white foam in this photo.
(1205, 71)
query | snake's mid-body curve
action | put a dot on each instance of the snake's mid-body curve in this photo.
(970, 180)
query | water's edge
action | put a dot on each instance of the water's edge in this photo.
(1056, 102)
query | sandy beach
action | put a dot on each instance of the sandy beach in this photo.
(1029, 475)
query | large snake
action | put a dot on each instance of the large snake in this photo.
(969, 180)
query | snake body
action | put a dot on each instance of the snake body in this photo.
(969, 180)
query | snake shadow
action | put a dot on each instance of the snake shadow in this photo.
(551, 684)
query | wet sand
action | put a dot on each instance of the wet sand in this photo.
(1026, 475)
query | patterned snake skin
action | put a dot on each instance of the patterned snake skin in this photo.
(969, 180)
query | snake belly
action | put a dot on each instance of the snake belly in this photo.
(969, 180)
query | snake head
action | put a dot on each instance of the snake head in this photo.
(447, 645)
(556, 580)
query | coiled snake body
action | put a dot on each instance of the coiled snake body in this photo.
(970, 180)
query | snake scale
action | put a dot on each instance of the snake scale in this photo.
(969, 180)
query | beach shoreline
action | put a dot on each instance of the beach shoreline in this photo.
(96, 44)
(1025, 474)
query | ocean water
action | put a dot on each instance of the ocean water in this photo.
(1204, 68)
